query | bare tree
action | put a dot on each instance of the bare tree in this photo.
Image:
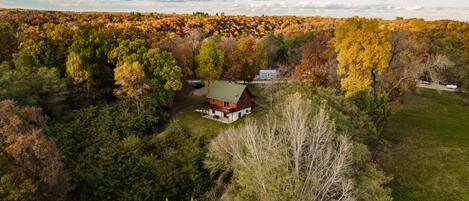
(408, 54)
(294, 155)
(269, 92)
(436, 65)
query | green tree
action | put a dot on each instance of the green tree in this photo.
(163, 68)
(210, 61)
(88, 66)
(37, 87)
(110, 147)
(48, 46)
(375, 103)
(41, 51)
(269, 50)
(14, 183)
(81, 76)
(128, 51)
(363, 49)
(162, 76)
(8, 41)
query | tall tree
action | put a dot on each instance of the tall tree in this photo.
(313, 67)
(231, 68)
(184, 51)
(8, 41)
(93, 73)
(210, 61)
(408, 54)
(164, 75)
(247, 56)
(294, 156)
(437, 65)
(41, 86)
(143, 69)
(128, 51)
(363, 49)
(131, 78)
(47, 47)
(269, 50)
(23, 141)
(81, 74)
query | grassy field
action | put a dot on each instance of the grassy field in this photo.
(428, 148)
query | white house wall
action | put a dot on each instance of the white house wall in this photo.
(234, 116)
(231, 116)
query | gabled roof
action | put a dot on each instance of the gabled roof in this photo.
(226, 91)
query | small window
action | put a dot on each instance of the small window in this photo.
(226, 104)
(213, 111)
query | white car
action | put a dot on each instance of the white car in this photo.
(451, 86)
(424, 82)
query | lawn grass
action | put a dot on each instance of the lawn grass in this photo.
(428, 147)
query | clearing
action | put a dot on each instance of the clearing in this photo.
(428, 147)
(186, 102)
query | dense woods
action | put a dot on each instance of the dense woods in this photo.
(85, 100)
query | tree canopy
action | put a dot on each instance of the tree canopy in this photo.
(363, 51)
(210, 61)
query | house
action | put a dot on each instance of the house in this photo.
(228, 101)
(268, 74)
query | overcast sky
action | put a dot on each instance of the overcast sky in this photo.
(387, 9)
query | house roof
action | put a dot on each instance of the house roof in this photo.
(226, 91)
(267, 71)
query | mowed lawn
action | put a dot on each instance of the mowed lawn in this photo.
(427, 152)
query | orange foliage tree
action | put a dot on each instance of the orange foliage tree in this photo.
(313, 67)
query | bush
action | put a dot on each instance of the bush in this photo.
(375, 103)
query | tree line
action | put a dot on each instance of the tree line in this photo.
(83, 93)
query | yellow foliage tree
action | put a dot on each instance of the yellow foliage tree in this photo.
(76, 69)
(247, 53)
(131, 79)
(363, 53)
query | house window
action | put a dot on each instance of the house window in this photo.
(226, 104)
(213, 111)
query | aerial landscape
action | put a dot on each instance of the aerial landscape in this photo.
(257, 100)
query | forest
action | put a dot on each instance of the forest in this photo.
(86, 100)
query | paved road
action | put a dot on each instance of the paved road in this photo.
(435, 86)
(419, 85)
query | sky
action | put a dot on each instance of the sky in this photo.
(386, 9)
